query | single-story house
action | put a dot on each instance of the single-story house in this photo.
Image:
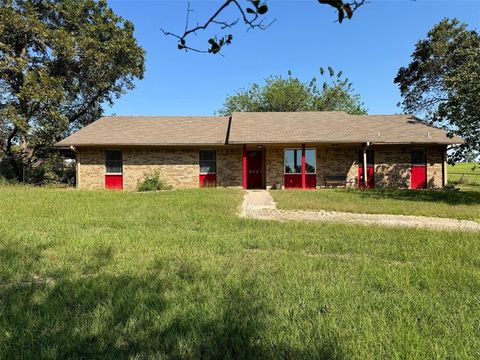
(262, 150)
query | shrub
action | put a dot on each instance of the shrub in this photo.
(153, 182)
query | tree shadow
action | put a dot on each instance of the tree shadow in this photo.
(126, 316)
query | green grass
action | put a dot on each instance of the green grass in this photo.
(179, 275)
(449, 204)
(466, 176)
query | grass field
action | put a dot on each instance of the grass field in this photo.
(449, 204)
(465, 175)
(179, 275)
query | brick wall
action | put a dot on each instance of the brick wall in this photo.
(90, 169)
(230, 166)
(392, 167)
(434, 166)
(274, 167)
(180, 167)
(337, 161)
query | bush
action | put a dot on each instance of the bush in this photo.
(52, 170)
(153, 182)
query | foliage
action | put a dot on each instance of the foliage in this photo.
(153, 182)
(291, 94)
(54, 169)
(441, 83)
(252, 16)
(178, 275)
(60, 62)
(464, 205)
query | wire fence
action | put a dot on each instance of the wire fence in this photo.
(464, 178)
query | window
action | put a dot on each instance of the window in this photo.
(419, 157)
(370, 159)
(113, 162)
(293, 161)
(208, 162)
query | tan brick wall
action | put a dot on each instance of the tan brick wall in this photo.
(90, 169)
(434, 167)
(230, 166)
(392, 167)
(337, 161)
(274, 167)
(178, 167)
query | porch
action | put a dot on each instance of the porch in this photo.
(314, 166)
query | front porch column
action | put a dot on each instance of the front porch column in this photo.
(304, 175)
(365, 175)
(244, 162)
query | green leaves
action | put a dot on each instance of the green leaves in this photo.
(259, 9)
(61, 60)
(216, 46)
(344, 9)
(441, 83)
(291, 94)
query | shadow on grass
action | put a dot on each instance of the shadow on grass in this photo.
(126, 316)
(447, 197)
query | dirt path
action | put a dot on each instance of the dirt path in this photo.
(259, 204)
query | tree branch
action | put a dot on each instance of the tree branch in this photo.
(257, 10)
(216, 44)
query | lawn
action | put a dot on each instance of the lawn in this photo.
(466, 176)
(449, 204)
(179, 275)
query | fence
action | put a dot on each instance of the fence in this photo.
(464, 178)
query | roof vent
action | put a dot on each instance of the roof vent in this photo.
(379, 135)
(428, 134)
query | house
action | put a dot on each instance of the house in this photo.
(262, 150)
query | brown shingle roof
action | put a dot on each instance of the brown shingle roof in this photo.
(151, 130)
(332, 127)
(258, 128)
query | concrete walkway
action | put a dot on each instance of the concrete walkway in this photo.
(259, 204)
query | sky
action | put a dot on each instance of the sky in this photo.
(369, 49)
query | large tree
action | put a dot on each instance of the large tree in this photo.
(279, 93)
(442, 83)
(60, 62)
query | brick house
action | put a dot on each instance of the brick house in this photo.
(262, 150)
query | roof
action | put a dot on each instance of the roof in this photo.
(258, 128)
(333, 127)
(151, 130)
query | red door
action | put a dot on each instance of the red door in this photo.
(114, 182)
(370, 170)
(254, 170)
(370, 177)
(418, 173)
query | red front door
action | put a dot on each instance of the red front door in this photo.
(418, 173)
(370, 169)
(370, 177)
(254, 170)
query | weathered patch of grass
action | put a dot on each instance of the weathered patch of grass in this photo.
(179, 275)
(448, 204)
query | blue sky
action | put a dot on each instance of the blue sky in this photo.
(369, 49)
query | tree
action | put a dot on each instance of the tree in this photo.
(60, 62)
(252, 16)
(442, 85)
(291, 94)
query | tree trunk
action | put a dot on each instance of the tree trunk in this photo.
(17, 167)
